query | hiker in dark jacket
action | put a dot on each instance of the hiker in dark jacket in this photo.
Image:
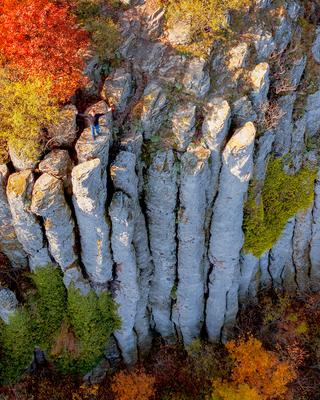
(92, 120)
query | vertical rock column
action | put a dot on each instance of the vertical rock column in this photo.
(127, 294)
(89, 200)
(124, 178)
(9, 243)
(226, 231)
(161, 198)
(48, 202)
(191, 248)
(27, 226)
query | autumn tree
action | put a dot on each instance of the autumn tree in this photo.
(25, 108)
(256, 371)
(43, 39)
(133, 385)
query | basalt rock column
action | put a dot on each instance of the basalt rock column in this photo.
(9, 243)
(127, 293)
(226, 231)
(26, 224)
(48, 202)
(191, 242)
(161, 198)
(89, 200)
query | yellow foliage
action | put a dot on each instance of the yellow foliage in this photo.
(226, 391)
(25, 107)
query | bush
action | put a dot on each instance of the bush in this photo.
(282, 197)
(25, 107)
(205, 18)
(133, 386)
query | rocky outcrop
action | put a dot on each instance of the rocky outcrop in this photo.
(226, 231)
(89, 200)
(27, 226)
(48, 202)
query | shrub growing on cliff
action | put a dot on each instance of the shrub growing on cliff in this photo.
(25, 107)
(133, 385)
(204, 18)
(282, 197)
(42, 38)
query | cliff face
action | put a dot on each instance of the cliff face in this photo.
(159, 206)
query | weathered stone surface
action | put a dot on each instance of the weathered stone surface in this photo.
(21, 161)
(280, 257)
(8, 304)
(264, 44)
(89, 200)
(9, 243)
(298, 143)
(59, 164)
(284, 128)
(226, 230)
(122, 216)
(283, 33)
(161, 201)
(293, 9)
(125, 179)
(238, 56)
(264, 148)
(153, 109)
(191, 242)
(260, 84)
(249, 267)
(64, 132)
(315, 238)
(196, 80)
(118, 89)
(313, 114)
(301, 247)
(316, 47)
(74, 275)
(26, 224)
(48, 202)
(297, 71)
(242, 112)
(265, 278)
(87, 148)
(183, 125)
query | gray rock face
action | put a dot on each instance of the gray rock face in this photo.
(118, 89)
(9, 243)
(161, 201)
(87, 148)
(313, 114)
(183, 125)
(249, 266)
(316, 47)
(121, 212)
(196, 80)
(48, 202)
(284, 128)
(8, 304)
(260, 83)
(283, 34)
(154, 106)
(315, 238)
(226, 230)
(73, 275)
(27, 226)
(89, 200)
(242, 112)
(264, 44)
(125, 179)
(191, 242)
(297, 71)
(179, 34)
(238, 56)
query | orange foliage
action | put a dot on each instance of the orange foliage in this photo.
(43, 39)
(133, 386)
(259, 368)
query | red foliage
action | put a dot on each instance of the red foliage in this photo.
(43, 39)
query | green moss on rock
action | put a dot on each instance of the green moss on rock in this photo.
(282, 196)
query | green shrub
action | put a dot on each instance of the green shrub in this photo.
(72, 329)
(282, 197)
(205, 18)
(16, 346)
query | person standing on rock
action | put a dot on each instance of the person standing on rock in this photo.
(92, 119)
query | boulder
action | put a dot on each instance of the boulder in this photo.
(242, 112)
(22, 161)
(64, 132)
(196, 79)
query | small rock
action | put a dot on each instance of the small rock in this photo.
(22, 161)
(8, 304)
